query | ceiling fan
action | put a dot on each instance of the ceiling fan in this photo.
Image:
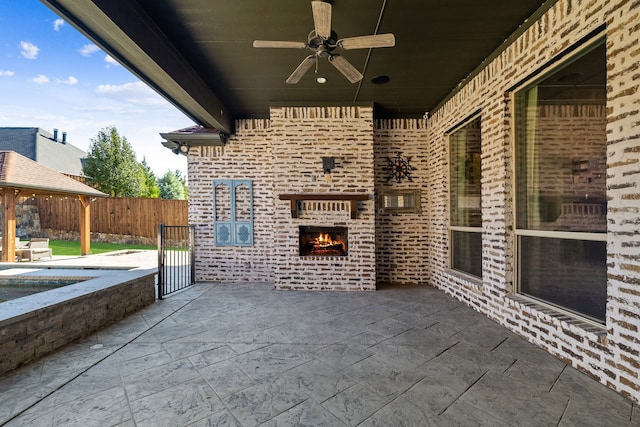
(322, 40)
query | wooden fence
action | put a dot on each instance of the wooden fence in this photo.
(113, 215)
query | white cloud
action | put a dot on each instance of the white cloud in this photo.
(110, 61)
(136, 93)
(41, 79)
(70, 81)
(29, 50)
(57, 24)
(6, 73)
(88, 49)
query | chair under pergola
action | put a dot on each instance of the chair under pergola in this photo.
(21, 176)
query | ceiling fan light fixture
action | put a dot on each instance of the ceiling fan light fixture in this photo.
(323, 52)
(321, 80)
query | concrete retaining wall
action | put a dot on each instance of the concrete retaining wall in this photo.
(36, 325)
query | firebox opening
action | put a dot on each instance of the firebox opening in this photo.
(323, 241)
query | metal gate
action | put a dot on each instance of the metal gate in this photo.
(176, 267)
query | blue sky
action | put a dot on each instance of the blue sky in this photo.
(51, 76)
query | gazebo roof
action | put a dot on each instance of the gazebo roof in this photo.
(21, 173)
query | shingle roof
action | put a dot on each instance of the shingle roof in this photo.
(19, 172)
(20, 140)
(39, 145)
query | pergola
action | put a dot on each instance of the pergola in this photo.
(20, 176)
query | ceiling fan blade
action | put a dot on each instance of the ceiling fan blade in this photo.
(322, 18)
(345, 67)
(304, 66)
(279, 44)
(367, 42)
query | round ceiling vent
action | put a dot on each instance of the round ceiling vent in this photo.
(380, 80)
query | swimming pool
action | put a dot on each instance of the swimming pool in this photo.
(13, 287)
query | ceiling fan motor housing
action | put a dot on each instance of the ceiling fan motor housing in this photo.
(321, 45)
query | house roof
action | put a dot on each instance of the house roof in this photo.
(199, 54)
(41, 146)
(20, 173)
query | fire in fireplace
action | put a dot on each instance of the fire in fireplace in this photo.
(323, 241)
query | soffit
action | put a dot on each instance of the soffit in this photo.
(204, 47)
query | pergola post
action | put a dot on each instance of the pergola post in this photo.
(8, 225)
(85, 225)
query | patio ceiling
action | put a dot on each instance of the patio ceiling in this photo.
(199, 54)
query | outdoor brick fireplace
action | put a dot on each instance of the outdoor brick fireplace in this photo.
(324, 222)
(323, 241)
(328, 240)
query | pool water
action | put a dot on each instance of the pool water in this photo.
(18, 287)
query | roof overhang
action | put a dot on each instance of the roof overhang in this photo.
(34, 190)
(179, 141)
(125, 31)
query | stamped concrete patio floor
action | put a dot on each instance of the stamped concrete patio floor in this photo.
(246, 355)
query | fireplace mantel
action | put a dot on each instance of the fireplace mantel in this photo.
(351, 197)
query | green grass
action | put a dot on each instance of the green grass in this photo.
(68, 247)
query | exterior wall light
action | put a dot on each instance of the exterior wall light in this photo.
(181, 149)
(328, 163)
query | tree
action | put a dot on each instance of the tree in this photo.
(150, 183)
(111, 165)
(183, 181)
(172, 186)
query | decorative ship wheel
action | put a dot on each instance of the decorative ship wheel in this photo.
(399, 168)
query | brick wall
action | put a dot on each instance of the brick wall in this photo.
(620, 362)
(610, 354)
(283, 155)
(402, 245)
(247, 156)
